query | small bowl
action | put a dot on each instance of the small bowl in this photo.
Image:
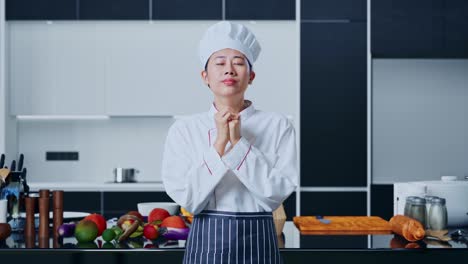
(145, 208)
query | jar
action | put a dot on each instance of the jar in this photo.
(438, 214)
(408, 204)
(428, 206)
(418, 210)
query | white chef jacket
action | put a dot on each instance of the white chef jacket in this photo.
(256, 175)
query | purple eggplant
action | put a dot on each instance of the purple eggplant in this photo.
(173, 233)
(66, 230)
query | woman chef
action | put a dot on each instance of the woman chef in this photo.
(233, 165)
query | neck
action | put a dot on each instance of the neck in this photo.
(234, 106)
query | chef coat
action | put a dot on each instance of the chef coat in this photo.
(256, 175)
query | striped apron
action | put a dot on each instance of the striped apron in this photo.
(232, 238)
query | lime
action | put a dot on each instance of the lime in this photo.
(118, 231)
(108, 235)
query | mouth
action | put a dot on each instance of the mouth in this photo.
(229, 81)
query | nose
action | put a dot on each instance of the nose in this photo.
(229, 69)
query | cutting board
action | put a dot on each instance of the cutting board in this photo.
(347, 225)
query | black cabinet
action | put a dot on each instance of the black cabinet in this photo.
(260, 9)
(290, 206)
(407, 29)
(89, 202)
(41, 9)
(114, 9)
(187, 10)
(382, 200)
(419, 29)
(456, 25)
(334, 203)
(333, 104)
(118, 203)
(334, 9)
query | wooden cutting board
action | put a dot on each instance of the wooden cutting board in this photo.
(342, 225)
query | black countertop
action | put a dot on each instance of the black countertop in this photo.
(293, 245)
(290, 239)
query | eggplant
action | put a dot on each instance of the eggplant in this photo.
(66, 230)
(173, 233)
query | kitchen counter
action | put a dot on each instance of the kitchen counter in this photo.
(97, 186)
(295, 248)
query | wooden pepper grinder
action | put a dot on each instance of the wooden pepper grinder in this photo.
(29, 229)
(44, 214)
(58, 212)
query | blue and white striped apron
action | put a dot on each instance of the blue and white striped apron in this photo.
(232, 238)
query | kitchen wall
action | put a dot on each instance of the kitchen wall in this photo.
(131, 141)
(419, 119)
(7, 123)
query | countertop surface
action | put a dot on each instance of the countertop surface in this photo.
(291, 239)
(97, 186)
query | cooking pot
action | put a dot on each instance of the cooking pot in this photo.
(123, 175)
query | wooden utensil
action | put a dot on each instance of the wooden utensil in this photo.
(4, 174)
(440, 235)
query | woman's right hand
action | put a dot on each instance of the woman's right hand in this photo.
(222, 119)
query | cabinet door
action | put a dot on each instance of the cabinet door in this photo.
(261, 9)
(54, 70)
(333, 104)
(41, 9)
(114, 9)
(89, 202)
(118, 203)
(187, 9)
(162, 81)
(334, 203)
(334, 9)
(407, 29)
(456, 29)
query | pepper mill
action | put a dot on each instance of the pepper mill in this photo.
(43, 214)
(29, 229)
(58, 211)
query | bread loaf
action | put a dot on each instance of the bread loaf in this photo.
(409, 228)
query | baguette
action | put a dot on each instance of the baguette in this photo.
(409, 228)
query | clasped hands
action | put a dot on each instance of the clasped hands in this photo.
(228, 127)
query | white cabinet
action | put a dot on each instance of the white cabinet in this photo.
(55, 70)
(155, 70)
(135, 68)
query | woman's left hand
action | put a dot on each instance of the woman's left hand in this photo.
(234, 129)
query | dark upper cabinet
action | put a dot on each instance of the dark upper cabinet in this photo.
(260, 9)
(41, 9)
(419, 29)
(114, 9)
(187, 9)
(334, 9)
(456, 25)
(407, 29)
(333, 104)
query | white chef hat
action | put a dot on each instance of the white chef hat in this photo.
(225, 34)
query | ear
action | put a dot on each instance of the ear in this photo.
(204, 76)
(252, 77)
